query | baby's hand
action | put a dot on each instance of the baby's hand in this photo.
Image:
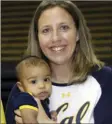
(42, 117)
(54, 115)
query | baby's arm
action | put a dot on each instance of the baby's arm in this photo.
(27, 106)
(42, 116)
(29, 111)
(29, 116)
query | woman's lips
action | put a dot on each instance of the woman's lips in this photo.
(58, 48)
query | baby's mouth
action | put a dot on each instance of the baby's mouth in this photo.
(43, 95)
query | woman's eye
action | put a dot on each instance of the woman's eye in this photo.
(45, 30)
(64, 27)
(34, 81)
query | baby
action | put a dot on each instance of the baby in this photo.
(34, 82)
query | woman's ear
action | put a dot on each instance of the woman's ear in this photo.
(20, 86)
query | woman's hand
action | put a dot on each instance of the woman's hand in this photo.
(18, 118)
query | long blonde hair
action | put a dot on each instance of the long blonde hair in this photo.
(84, 58)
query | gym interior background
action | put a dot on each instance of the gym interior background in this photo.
(15, 20)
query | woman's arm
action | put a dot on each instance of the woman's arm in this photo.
(9, 107)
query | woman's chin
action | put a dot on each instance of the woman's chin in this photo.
(60, 61)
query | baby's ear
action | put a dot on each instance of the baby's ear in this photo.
(20, 86)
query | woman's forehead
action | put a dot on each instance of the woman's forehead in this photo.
(55, 14)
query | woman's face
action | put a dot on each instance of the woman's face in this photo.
(57, 35)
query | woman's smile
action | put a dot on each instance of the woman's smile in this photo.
(57, 49)
(57, 35)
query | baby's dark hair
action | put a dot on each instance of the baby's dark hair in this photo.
(29, 61)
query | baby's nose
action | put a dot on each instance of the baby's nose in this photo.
(41, 85)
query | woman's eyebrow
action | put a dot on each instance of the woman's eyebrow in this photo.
(43, 26)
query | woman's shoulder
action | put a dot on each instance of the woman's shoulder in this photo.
(105, 70)
(103, 75)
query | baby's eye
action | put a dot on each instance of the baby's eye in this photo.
(47, 79)
(64, 27)
(34, 81)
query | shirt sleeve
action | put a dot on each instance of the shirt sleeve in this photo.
(24, 100)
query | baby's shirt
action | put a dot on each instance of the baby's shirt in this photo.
(24, 100)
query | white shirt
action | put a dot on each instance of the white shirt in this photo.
(75, 103)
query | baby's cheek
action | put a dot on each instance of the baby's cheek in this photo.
(50, 90)
(35, 93)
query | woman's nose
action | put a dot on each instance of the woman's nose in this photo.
(55, 36)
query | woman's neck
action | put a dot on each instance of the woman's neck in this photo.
(60, 73)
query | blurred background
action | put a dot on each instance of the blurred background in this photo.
(15, 20)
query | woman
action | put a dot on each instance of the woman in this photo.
(81, 83)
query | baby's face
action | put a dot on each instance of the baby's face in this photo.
(37, 80)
